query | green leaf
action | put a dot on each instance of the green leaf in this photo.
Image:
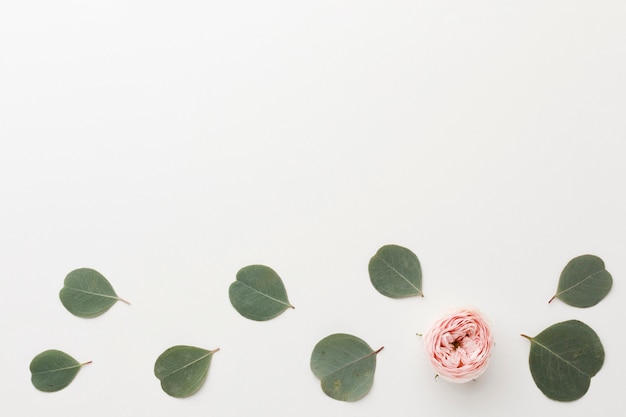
(345, 364)
(583, 282)
(395, 272)
(53, 370)
(563, 358)
(183, 369)
(86, 293)
(258, 293)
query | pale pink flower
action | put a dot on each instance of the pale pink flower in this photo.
(459, 345)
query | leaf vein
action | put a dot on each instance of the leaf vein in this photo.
(580, 282)
(400, 274)
(362, 358)
(187, 365)
(56, 370)
(266, 295)
(561, 358)
(94, 293)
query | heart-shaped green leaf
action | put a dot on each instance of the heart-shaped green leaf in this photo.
(395, 272)
(183, 369)
(258, 293)
(53, 370)
(86, 293)
(563, 358)
(583, 282)
(345, 364)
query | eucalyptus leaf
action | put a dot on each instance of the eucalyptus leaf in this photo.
(345, 365)
(395, 272)
(183, 369)
(584, 282)
(258, 293)
(86, 293)
(53, 370)
(563, 358)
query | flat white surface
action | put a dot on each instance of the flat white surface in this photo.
(168, 144)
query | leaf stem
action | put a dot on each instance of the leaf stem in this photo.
(124, 301)
(526, 336)
(215, 350)
(85, 363)
(552, 299)
(381, 348)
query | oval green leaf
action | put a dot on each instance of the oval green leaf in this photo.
(258, 293)
(395, 272)
(563, 358)
(86, 293)
(53, 370)
(183, 369)
(584, 282)
(345, 365)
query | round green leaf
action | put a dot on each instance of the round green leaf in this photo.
(563, 358)
(395, 272)
(86, 293)
(584, 282)
(183, 369)
(53, 370)
(345, 365)
(258, 293)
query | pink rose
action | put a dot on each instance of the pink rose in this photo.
(459, 345)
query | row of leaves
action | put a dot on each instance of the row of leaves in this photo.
(568, 351)
(344, 363)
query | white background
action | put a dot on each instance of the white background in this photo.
(169, 143)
